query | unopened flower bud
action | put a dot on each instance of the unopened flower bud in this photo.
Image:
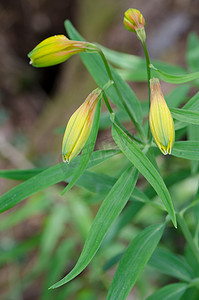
(79, 127)
(135, 22)
(55, 50)
(160, 119)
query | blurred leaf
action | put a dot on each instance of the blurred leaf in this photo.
(52, 231)
(142, 163)
(186, 150)
(134, 67)
(134, 260)
(108, 212)
(49, 177)
(58, 264)
(81, 215)
(170, 180)
(34, 206)
(105, 121)
(192, 104)
(184, 115)
(177, 95)
(87, 150)
(193, 135)
(113, 261)
(170, 264)
(95, 66)
(20, 174)
(175, 78)
(13, 251)
(192, 53)
(172, 291)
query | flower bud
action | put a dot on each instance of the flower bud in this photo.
(135, 22)
(55, 50)
(79, 127)
(160, 119)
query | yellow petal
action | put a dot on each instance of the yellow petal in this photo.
(160, 119)
(79, 127)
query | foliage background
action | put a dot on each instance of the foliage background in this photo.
(34, 102)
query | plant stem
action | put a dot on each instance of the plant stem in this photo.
(137, 125)
(117, 121)
(148, 79)
(107, 103)
(188, 236)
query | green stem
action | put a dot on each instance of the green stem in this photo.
(148, 79)
(107, 103)
(117, 121)
(188, 236)
(137, 125)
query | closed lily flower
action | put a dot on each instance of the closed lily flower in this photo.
(56, 49)
(79, 126)
(160, 119)
(135, 22)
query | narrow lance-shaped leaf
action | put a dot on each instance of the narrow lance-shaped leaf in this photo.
(172, 291)
(108, 212)
(193, 105)
(186, 149)
(175, 78)
(184, 115)
(171, 264)
(134, 260)
(20, 174)
(47, 178)
(192, 132)
(87, 150)
(142, 163)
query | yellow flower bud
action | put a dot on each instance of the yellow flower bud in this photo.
(55, 50)
(160, 119)
(79, 127)
(135, 22)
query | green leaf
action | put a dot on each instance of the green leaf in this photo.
(175, 78)
(54, 228)
(184, 115)
(105, 121)
(134, 260)
(142, 163)
(193, 136)
(87, 150)
(177, 96)
(126, 216)
(95, 66)
(18, 250)
(170, 180)
(186, 149)
(38, 204)
(112, 261)
(49, 177)
(57, 263)
(192, 104)
(134, 67)
(170, 264)
(108, 212)
(192, 53)
(173, 291)
(20, 174)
